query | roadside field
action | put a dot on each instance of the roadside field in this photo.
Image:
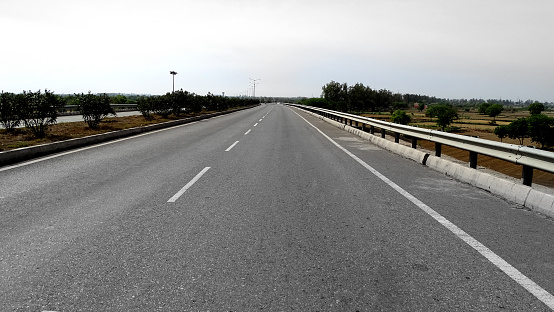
(473, 124)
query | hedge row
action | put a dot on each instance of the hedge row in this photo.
(180, 102)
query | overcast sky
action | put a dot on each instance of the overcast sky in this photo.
(452, 49)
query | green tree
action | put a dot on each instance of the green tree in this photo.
(360, 98)
(483, 108)
(502, 131)
(39, 111)
(400, 117)
(316, 102)
(494, 110)
(10, 106)
(383, 99)
(444, 113)
(519, 129)
(337, 94)
(541, 129)
(536, 108)
(119, 99)
(94, 108)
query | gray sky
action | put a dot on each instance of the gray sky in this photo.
(452, 49)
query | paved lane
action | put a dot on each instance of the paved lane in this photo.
(271, 215)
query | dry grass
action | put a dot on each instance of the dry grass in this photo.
(70, 130)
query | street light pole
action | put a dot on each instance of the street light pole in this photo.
(254, 83)
(173, 73)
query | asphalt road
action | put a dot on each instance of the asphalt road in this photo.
(265, 209)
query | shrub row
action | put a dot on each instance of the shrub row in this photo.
(180, 102)
(538, 127)
(36, 110)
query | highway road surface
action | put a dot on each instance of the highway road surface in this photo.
(267, 209)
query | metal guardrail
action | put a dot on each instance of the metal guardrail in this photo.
(112, 105)
(529, 158)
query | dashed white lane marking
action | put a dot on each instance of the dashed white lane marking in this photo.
(247, 132)
(268, 112)
(255, 124)
(188, 185)
(260, 119)
(532, 287)
(232, 145)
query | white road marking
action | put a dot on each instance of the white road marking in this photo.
(93, 146)
(232, 145)
(247, 132)
(532, 287)
(188, 185)
(267, 112)
(260, 119)
(255, 124)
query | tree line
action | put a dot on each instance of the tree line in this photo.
(538, 127)
(360, 98)
(37, 111)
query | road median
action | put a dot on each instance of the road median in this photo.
(14, 156)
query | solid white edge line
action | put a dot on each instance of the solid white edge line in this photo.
(188, 185)
(92, 146)
(232, 145)
(532, 287)
(247, 132)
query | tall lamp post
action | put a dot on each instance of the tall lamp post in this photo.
(173, 73)
(254, 83)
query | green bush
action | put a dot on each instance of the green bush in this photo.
(502, 131)
(94, 108)
(39, 111)
(400, 117)
(444, 113)
(10, 110)
(144, 105)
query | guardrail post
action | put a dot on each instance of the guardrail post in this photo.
(363, 127)
(372, 129)
(473, 160)
(383, 133)
(438, 149)
(414, 142)
(527, 175)
(396, 137)
(350, 122)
